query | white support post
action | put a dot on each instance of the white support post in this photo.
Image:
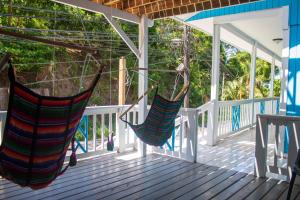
(253, 79)
(285, 63)
(284, 78)
(214, 110)
(143, 77)
(272, 76)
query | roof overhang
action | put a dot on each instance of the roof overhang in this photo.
(243, 29)
(154, 9)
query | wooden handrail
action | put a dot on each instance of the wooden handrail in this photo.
(182, 91)
(185, 87)
(136, 102)
(45, 41)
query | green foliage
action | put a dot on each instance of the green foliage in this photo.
(164, 53)
(80, 137)
(238, 87)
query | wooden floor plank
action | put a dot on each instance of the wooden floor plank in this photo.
(248, 189)
(77, 174)
(220, 187)
(157, 180)
(197, 183)
(72, 185)
(132, 187)
(86, 170)
(107, 160)
(262, 190)
(276, 191)
(70, 173)
(294, 196)
(201, 188)
(96, 183)
(158, 192)
(154, 177)
(83, 163)
(129, 181)
(227, 193)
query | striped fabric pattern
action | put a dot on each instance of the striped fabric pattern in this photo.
(37, 134)
(160, 122)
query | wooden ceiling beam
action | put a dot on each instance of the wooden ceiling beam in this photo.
(154, 9)
(131, 4)
(111, 2)
(167, 8)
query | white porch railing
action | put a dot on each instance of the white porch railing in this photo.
(203, 112)
(105, 120)
(190, 128)
(269, 150)
(235, 116)
(97, 122)
(183, 142)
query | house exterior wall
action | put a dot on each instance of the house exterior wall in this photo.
(293, 86)
(293, 97)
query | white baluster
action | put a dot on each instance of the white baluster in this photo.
(102, 130)
(94, 132)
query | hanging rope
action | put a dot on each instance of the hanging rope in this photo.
(53, 60)
(83, 71)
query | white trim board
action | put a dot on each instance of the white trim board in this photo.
(99, 8)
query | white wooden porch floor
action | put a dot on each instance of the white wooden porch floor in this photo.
(234, 153)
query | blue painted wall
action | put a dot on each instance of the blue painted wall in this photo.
(293, 90)
(293, 103)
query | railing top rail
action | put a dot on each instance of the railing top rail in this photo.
(91, 110)
(245, 101)
(266, 99)
(204, 107)
(280, 118)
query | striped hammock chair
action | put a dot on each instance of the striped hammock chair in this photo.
(160, 121)
(38, 133)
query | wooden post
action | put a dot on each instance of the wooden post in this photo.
(143, 77)
(214, 109)
(186, 61)
(120, 132)
(122, 76)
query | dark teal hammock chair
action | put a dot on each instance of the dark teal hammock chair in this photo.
(160, 121)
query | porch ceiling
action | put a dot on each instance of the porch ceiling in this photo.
(155, 9)
(261, 26)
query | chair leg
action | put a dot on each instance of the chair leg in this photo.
(291, 186)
